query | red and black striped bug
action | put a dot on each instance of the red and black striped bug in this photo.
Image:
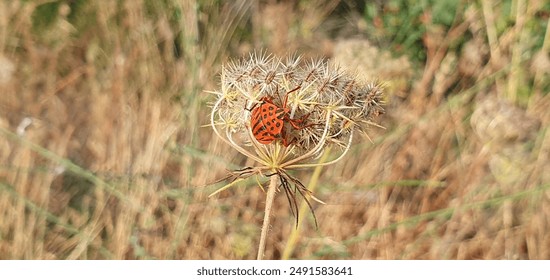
(268, 121)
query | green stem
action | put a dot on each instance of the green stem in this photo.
(293, 239)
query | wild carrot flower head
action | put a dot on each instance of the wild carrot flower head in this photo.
(316, 104)
(284, 112)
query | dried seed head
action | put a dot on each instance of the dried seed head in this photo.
(318, 104)
(285, 114)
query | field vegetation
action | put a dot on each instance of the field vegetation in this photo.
(105, 152)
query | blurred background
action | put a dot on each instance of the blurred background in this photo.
(104, 152)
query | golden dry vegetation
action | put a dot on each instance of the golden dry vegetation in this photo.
(104, 153)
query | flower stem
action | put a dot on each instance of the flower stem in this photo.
(268, 205)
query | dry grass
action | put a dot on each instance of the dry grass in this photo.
(102, 153)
